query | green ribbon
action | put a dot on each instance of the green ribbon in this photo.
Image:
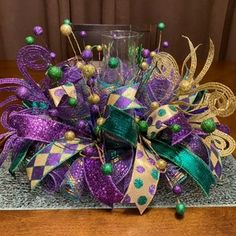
(19, 158)
(121, 125)
(187, 161)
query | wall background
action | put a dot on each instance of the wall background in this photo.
(199, 20)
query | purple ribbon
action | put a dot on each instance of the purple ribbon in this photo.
(52, 182)
(38, 128)
(185, 131)
(101, 186)
(74, 182)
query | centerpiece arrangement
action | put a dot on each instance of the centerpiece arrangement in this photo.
(117, 126)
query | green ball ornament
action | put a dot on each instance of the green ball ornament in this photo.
(113, 62)
(208, 125)
(54, 72)
(29, 40)
(143, 126)
(72, 102)
(67, 22)
(180, 209)
(176, 128)
(161, 26)
(107, 169)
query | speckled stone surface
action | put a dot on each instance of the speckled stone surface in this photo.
(16, 194)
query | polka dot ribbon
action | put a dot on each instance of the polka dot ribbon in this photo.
(144, 181)
(158, 117)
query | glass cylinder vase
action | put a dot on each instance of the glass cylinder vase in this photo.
(120, 48)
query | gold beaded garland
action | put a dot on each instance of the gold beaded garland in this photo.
(66, 29)
(69, 135)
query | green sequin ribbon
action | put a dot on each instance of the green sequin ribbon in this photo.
(187, 161)
(121, 125)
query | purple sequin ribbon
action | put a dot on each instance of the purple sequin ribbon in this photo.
(101, 186)
(38, 128)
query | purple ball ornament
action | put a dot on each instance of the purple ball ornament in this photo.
(87, 55)
(22, 92)
(38, 30)
(81, 124)
(165, 44)
(177, 189)
(95, 109)
(145, 53)
(82, 34)
(89, 151)
(52, 55)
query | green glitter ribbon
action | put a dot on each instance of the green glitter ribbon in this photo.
(121, 125)
(187, 161)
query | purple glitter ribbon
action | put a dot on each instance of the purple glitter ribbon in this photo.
(36, 58)
(52, 182)
(74, 182)
(122, 167)
(39, 128)
(185, 131)
(101, 186)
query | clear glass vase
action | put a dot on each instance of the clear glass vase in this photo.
(123, 46)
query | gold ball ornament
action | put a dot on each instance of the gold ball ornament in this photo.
(99, 48)
(185, 86)
(66, 29)
(144, 65)
(88, 47)
(88, 70)
(79, 65)
(69, 135)
(101, 121)
(161, 164)
(154, 106)
(94, 99)
(153, 53)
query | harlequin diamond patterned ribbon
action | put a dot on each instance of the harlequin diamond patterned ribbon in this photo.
(51, 157)
(214, 159)
(144, 181)
(57, 93)
(124, 98)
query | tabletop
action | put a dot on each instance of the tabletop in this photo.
(197, 221)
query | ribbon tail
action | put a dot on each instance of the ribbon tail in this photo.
(215, 163)
(20, 156)
(144, 181)
(74, 183)
(49, 158)
(188, 161)
(101, 186)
